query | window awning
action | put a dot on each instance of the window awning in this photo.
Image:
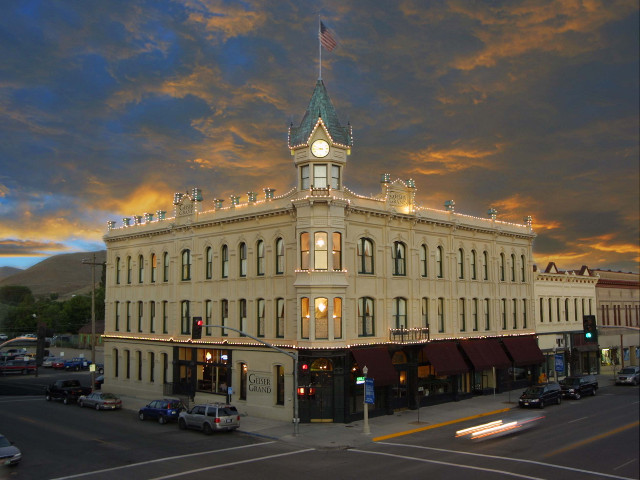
(378, 363)
(485, 353)
(445, 358)
(523, 350)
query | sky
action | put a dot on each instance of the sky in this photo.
(108, 108)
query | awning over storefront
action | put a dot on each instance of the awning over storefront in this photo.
(445, 358)
(523, 350)
(485, 353)
(378, 363)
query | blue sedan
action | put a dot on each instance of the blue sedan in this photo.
(165, 410)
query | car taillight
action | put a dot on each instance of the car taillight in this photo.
(238, 418)
(217, 420)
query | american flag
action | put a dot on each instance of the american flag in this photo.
(326, 38)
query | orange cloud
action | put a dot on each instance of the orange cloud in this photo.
(452, 159)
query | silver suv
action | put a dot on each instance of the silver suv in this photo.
(210, 418)
(628, 376)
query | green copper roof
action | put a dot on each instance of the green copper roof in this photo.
(320, 106)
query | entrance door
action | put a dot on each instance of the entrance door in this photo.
(321, 391)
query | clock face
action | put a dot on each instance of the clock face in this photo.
(320, 148)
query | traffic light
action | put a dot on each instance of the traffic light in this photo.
(196, 328)
(589, 328)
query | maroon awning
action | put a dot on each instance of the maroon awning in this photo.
(523, 350)
(485, 353)
(445, 358)
(378, 363)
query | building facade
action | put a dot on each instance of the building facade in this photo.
(436, 304)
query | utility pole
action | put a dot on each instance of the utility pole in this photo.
(93, 264)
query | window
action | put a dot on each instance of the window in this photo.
(485, 266)
(336, 252)
(152, 317)
(523, 266)
(423, 260)
(242, 314)
(566, 309)
(399, 260)
(558, 317)
(279, 385)
(115, 363)
(400, 312)
(154, 268)
(185, 322)
(165, 316)
(441, 315)
(209, 265)
(243, 380)
(260, 317)
(503, 312)
(335, 177)
(575, 309)
(463, 317)
(502, 267)
(474, 273)
(117, 316)
(280, 317)
(524, 313)
(305, 317)
(321, 318)
(474, 314)
(117, 270)
(541, 310)
(152, 364)
(304, 180)
(550, 301)
(139, 362)
(165, 267)
(366, 317)
(365, 255)
(165, 367)
(242, 253)
(128, 316)
(320, 259)
(129, 270)
(514, 314)
(140, 269)
(513, 267)
(337, 317)
(224, 259)
(140, 313)
(224, 316)
(439, 267)
(319, 176)
(487, 314)
(208, 315)
(279, 256)
(304, 251)
(425, 312)
(186, 264)
(127, 359)
(260, 257)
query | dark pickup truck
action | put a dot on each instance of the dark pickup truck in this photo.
(66, 390)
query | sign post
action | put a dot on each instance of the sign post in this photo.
(369, 397)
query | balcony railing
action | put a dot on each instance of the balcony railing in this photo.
(404, 335)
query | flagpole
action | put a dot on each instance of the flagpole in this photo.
(319, 51)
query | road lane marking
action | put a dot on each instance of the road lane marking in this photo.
(158, 460)
(438, 425)
(519, 460)
(625, 464)
(439, 462)
(592, 439)
(232, 464)
(577, 419)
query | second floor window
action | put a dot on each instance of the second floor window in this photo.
(439, 259)
(260, 258)
(185, 318)
(280, 318)
(474, 274)
(400, 312)
(186, 264)
(117, 270)
(279, 256)
(320, 253)
(154, 268)
(366, 317)
(224, 261)
(304, 180)
(441, 315)
(260, 317)
(460, 263)
(399, 258)
(128, 269)
(485, 266)
(242, 253)
(209, 266)
(165, 267)
(365, 255)
(140, 269)
(423, 260)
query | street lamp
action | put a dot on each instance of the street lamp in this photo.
(93, 264)
(366, 430)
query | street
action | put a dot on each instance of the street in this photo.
(595, 437)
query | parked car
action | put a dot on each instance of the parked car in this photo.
(3, 337)
(100, 401)
(9, 453)
(66, 390)
(47, 362)
(77, 364)
(628, 376)
(164, 410)
(58, 364)
(23, 367)
(210, 418)
(578, 386)
(97, 383)
(100, 368)
(541, 395)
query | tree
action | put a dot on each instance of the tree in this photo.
(15, 295)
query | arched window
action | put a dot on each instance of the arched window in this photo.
(513, 267)
(321, 318)
(566, 309)
(523, 269)
(320, 253)
(462, 312)
(117, 270)
(366, 317)
(365, 255)
(242, 257)
(140, 269)
(186, 264)
(165, 267)
(152, 316)
(140, 316)
(336, 252)
(260, 257)
(503, 312)
(423, 260)
(502, 267)
(224, 261)
(117, 315)
(128, 312)
(129, 270)
(514, 313)
(439, 266)
(541, 310)
(279, 256)
(485, 265)
(474, 273)
(399, 258)
(260, 317)
(280, 317)
(305, 252)
(209, 263)
(400, 312)
(152, 366)
(460, 263)
(127, 360)
(154, 268)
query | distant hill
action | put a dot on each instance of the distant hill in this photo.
(62, 274)
(8, 271)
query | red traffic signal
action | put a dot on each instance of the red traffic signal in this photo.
(196, 328)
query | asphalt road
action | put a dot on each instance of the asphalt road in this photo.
(594, 438)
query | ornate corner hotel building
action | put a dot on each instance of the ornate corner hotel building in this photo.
(436, 304)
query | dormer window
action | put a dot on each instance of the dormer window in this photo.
(304, 173)
(320, 176)
(335, 177)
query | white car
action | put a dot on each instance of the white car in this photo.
(9, 453)
(628, 376)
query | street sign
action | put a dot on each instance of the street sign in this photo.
(559, 362)
(369, 396)
(359, 380)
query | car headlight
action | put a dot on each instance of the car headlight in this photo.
(534, 400)
(173, 412)
(571, 390)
